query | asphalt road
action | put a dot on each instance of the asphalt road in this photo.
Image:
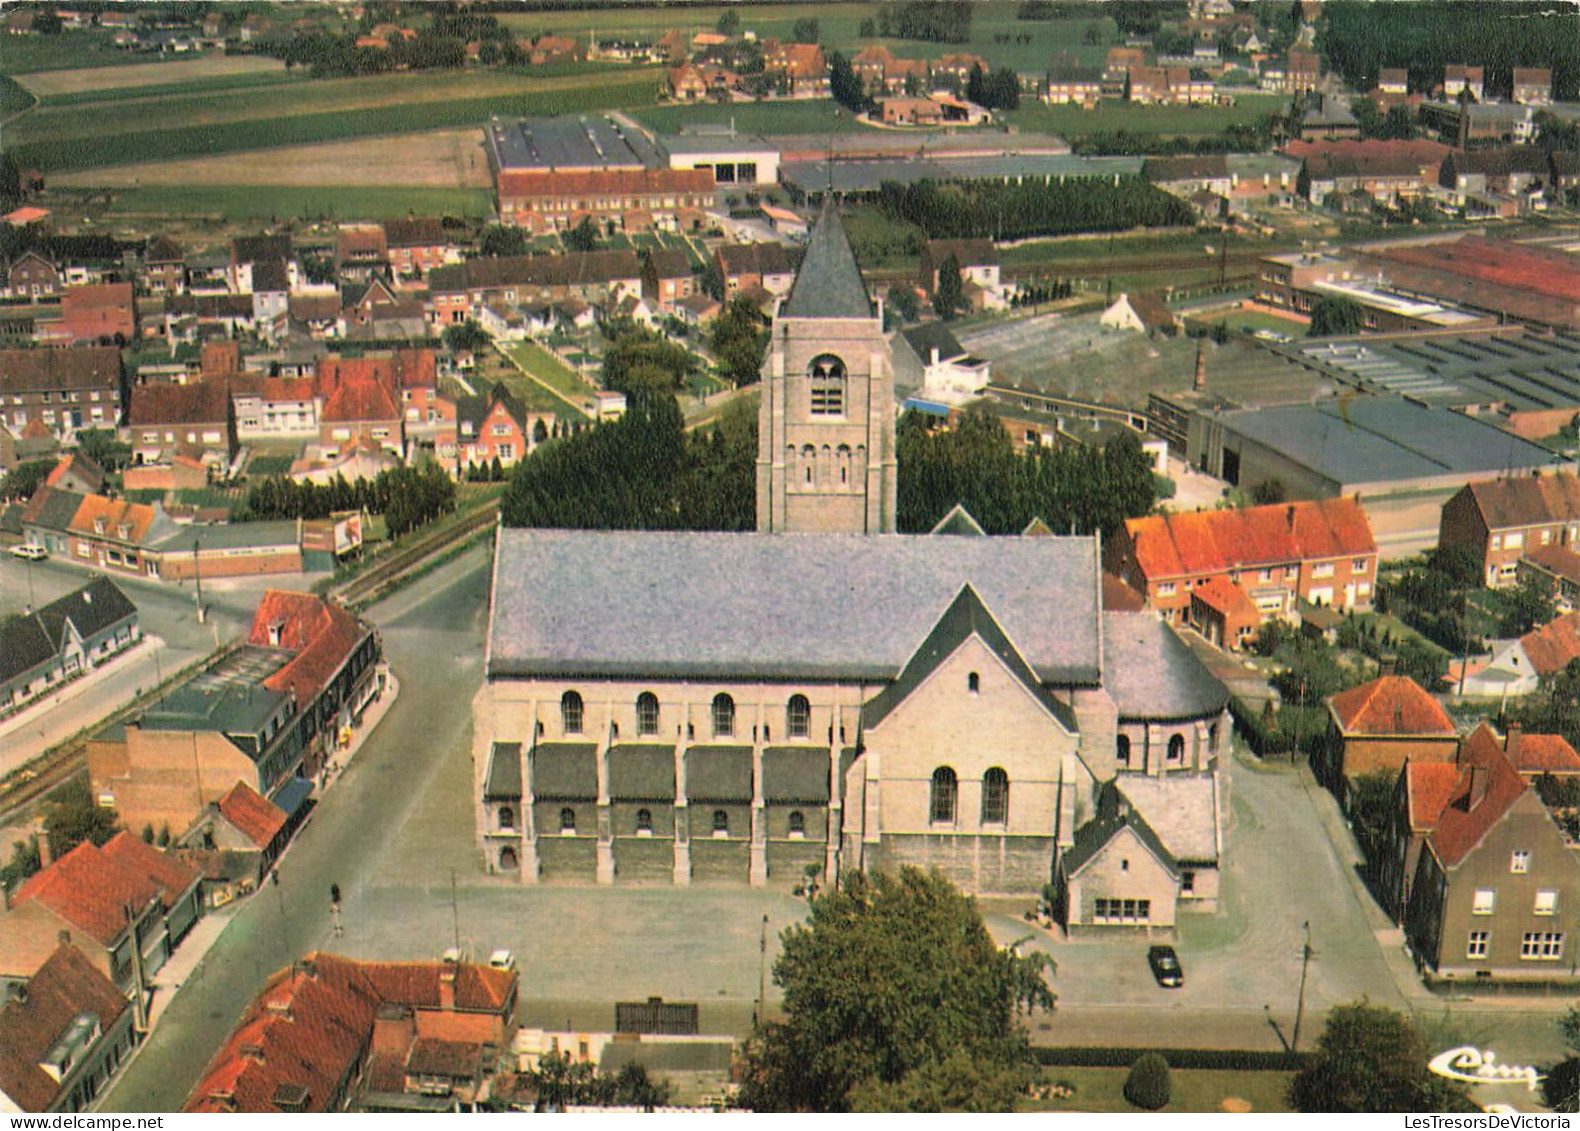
(433, 635)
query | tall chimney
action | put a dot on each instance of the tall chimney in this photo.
(1511, 744)
(1200, 384)
(1290, 515)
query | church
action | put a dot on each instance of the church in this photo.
(825, 694)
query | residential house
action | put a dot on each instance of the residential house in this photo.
(1321, 552)
(96, 313)
(1143, 313)
(41, 651)
(953, 69)
(1379, 726)
(189, 317)
(162, 418)
(745, 267)
(76, 472)
(1495, 895)
(105, 898)
(351, 461)
(1302, 71)
(247, 252)
(361, 251)
(409, 376)
(329, 1034)
(1186, 175)
(32, 276)
(164, 267)
(978, 260)
(1501, 520)
(416, 246)
(797, 69)
(65, 389)
(1393, 80)
(67, 1032)
(496, 426)
(1507, 170)
(686, 84)
(597, 276)
(542, 200)
(1557, 569)
(362, 412)
(1459, 78)
(110, 534)
(1224, 614)
(1533, 86)
(903, 111)
(235, 842)
(1384, 170)
(274, 406)
(1117, 67)
(1517, 667)
(271, 295)
(1118, 873)
(930, 360)
(666, 279)
(46, 517)
(375, 310)
(1070, 83)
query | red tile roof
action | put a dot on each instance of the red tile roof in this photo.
(312, 1024)
(1465, 820)
(1545, 754)
(1560, 561)
(252, 814)
(1391, 704)
(1525, 500)
(172, 877)
(84, 467)
(1120, 597)
(322, 634)
(1203, 543)
(90, 891)
(1428, 786)
(114, 513)
(360, 401)
(1551, 647)
(394, 371)
(65, 986)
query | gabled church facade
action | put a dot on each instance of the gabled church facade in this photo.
(826, 695)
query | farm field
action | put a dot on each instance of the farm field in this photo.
(73, 50)
(440, 159)
(303, 113)
(249, 204)
(235, 85)
(130, 76)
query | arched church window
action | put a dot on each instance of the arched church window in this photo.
(946, 788)
(827, 377)
(995, 797)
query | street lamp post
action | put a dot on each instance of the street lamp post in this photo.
(197, 575)
(1300, 1004)
(762, 968)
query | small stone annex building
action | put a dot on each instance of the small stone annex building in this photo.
(682, 707)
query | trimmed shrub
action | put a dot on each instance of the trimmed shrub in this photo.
(1147, 1086)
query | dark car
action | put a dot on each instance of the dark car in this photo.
(1166, 966)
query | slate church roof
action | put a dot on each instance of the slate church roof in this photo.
(829, 284)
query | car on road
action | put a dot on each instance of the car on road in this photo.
(29, 553)
(1166, 966)
(502, 960)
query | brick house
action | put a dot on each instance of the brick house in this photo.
(1495, 895)
(416, 246)
(768, 267)
(457, 293)
(66, 389)
(67, 1033)
(1533, 86)
(111, 533)
(361, 250)
(1070, 83)
(686, 84)
(274, 406)
(666, 279)
(1321, 552)
(1500, 520)
(978, 259)
(248, 251)
(1459, 77)
(164, 267)
(98, 312)
(32, 276)
(364, 412)
(1302, 71)
(544, 201)
(162, 418)
(799, 69)
(1379, 726)
(1224, 614)
(496, 426)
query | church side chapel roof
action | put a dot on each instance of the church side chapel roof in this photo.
(796, 773)
(829, 284)
(710, 605)
(719, 773)
(958, 521)
(1114, 814)
(565, 771)
(966, 617)
(642, 771)
(504, 773)
(1152, 674)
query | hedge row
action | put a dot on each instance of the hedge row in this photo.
(1246, 1060)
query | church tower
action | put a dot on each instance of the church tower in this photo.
(825, 455)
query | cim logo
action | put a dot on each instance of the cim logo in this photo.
(1477, 1066)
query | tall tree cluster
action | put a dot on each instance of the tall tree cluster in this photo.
(1032, 208)
(895, 999)
(739, 337)
(407, 497)
(933, 21)
(1076, 489)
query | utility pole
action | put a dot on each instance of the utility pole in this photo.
(1300, 1004)
(197, 574)
(762, 968)
(455, 911)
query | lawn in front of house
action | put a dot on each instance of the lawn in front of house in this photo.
(1198, 1090)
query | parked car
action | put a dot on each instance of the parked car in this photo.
(502, 960)
(29, 553)
(1166, 966)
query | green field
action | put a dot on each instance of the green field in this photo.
(1193, 1090)
(69, 50)
(202, 88)
(12, 96)
(820, 116)
(296, 120)
(1072, 121)
(550, 370)
(247, 203)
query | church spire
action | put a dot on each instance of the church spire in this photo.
(829, 284)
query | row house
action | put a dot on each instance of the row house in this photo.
(457, 293)
(69, 636)
(1459, 78)
(1071, 83)
(164, 267)
(1506, 169)
(273, 406)
(111, 900)
(1320, 552)
(247, 252)
(330, 1034)
(361, 413)
(1302, 72)
(954, 69)
(1117, 67)
(68, 1029)
(1385, 170)
(1501, 520)
(272, 713)
(1533, 86)
(64, 389)
(194, 418)
(544, 200)
(33, 276)
(667, 278)
(409, 378)
(800, 69)
(360, 252)
(93, 313)
(189, 317)
(882, 72)
(113, 534)
(1176, 86)
(416, 246)
(1495, 893)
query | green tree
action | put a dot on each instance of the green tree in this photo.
(583, 237)
(1459, 565)
(1147, 1085)
(805, 30)
(502, 239)
(103, 447)
(644, 360)
(1331, 315)
(844, 85)
(72, 817)
(739, 338)
(466, 336)
(868, 29)
(1530, 604)
(23, 479)
(729, 22)
(891, 975)
(957, 1084)
(902, 300)
(1372, 1059)
(948, 296)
